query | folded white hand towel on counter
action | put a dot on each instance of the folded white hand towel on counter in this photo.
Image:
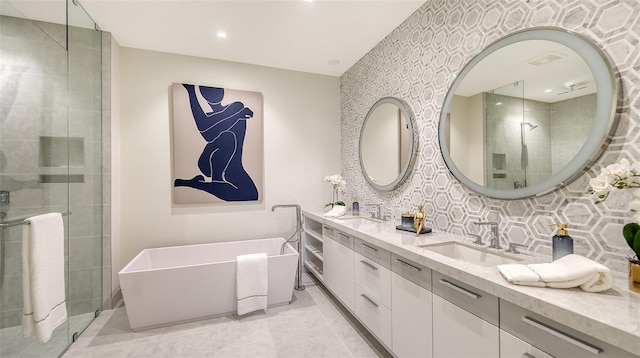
(337, 211)
(252, 282)
(566, 272)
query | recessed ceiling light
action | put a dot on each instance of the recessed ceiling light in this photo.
(334, 62)
(548, 90)
(307, 0)
(498, 103)
(221, 34)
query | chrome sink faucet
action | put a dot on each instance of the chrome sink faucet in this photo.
(478, 240)
(377, 213)
(495, 240)
(513, 247)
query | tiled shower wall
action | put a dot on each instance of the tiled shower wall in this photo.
(568, 135)
(417, 63)
(560, 130)
(34, 104)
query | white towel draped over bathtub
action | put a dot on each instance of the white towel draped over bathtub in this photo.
(252, 282)
(43, 286)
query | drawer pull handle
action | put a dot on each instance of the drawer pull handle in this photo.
(527, 355)
(325, 228)
(369, 299)
(343, 236)
(370, 248)
(565, 337)
(368, 265)
(408, 265)
(462, 290)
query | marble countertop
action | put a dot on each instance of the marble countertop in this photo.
(612, 316)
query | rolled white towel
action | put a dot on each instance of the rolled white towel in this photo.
(566, 272)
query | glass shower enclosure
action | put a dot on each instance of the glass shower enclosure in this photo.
(518, 142)
(50, 158)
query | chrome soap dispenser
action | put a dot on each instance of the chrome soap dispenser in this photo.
(562, 244)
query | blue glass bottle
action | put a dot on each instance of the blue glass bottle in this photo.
(355, 208)
(562, 243)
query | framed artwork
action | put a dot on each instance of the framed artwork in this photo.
(217, 145)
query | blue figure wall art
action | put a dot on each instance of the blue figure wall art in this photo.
(217, 144)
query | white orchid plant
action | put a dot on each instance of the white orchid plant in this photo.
(622, 175)
(339, 185)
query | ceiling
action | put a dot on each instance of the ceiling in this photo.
(567, 76)
(323, 36)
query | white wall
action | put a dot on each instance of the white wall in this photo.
(467, 135)
(301, 147)
(458, 135)
(382, 144)
(475, 129)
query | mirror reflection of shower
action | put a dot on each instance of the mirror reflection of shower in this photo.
(525, 139)
(505, 139)
(524, 152)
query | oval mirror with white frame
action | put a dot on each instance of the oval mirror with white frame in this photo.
(386, 144)
(529, 114)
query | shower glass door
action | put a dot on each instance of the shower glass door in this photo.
(84, 168)
(506, 152)
(50, 158)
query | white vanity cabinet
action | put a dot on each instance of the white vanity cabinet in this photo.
(313, 250)
(411, 305)
(543, 334)
(338, 265)
(465, 320)
(373, 289)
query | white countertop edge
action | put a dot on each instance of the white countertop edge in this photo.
(613, 316)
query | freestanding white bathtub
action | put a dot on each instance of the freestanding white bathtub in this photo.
(184, 283)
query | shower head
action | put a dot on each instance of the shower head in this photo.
(531, 126)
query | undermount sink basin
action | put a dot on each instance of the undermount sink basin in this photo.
(471, 254)
(360, 219)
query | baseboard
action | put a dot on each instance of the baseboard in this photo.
(116, 298)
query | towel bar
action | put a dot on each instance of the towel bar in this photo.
(11, 223)
(17, 222)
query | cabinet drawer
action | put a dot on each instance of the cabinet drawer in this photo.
(512, 347)
(555, 338)
(338, 236)
(344, 239)
(373, 278)
(412, 271)
(374, 315)
(328, 231)
(373, 252)
(478, 302)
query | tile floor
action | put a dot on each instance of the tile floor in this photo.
(314, 325)
(14, 345)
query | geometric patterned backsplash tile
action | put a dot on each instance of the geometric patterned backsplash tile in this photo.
(417, 63)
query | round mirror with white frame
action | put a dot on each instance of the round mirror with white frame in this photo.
(387, 144)
(529, 114)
